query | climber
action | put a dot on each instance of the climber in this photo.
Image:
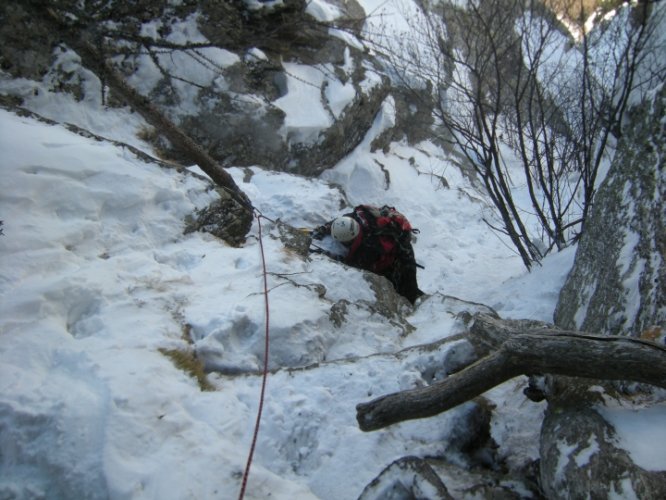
(377, 240)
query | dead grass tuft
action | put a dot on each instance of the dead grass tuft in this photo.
(187, 361)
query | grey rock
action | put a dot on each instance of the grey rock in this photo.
(616, 286)
(405, 479)
(580, 460)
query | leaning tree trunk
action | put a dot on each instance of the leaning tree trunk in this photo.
(521, 352)
(237, 204)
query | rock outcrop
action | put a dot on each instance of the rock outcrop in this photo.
(617, 284)
(616, 287)
(219, 70)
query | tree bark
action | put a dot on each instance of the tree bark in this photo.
(157, 119)
(521, 350)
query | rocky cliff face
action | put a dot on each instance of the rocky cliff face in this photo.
(616, 286)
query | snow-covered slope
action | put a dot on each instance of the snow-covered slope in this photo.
(98, 282)
(98, 278)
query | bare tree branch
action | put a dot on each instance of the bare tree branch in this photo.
(498, 78)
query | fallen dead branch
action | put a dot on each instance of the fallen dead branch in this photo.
(518, 348)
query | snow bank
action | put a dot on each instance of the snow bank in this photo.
(97, 278)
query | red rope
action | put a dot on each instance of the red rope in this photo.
(265, 374)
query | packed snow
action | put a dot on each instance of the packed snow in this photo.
(98, 279)
(99, 282)
(638, 429)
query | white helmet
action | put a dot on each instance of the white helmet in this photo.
(345, 229)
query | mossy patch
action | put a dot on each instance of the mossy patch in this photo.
(188, 362)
